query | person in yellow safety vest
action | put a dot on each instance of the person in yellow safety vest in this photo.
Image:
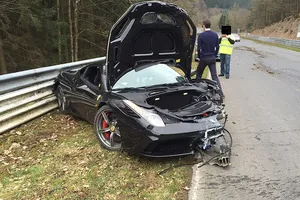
(226, 48)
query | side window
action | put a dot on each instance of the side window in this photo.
(92, 77)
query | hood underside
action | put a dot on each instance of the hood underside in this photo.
(150, 32)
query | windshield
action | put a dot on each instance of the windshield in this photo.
(156, 74)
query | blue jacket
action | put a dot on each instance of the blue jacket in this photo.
(208, 44)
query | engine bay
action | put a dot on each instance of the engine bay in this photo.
(175, 101)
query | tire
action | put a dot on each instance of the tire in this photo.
(106, 130)
(63, 103)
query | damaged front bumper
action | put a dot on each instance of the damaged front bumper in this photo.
(178, 139)
(180, 136)
(216, 148)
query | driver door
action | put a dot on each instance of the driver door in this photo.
(88, 92)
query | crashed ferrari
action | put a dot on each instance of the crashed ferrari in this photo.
(137, 101)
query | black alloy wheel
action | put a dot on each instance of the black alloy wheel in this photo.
(106, 129)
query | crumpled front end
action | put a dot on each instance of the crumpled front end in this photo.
(176, 138)
(191, 123)
(216, 148)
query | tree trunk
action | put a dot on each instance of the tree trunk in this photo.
(298, 11)
(266, 14)
(76, 29)
(3, 69)
(71, 31)
(59, 31)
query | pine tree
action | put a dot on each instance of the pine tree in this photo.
(224, 20)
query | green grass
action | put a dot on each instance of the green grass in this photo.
(205, 72)
(273, 44)
(58, 157)
(194, 66)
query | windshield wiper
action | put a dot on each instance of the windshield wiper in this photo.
(140, 88)
(165, 85)
(153, 87)
(129, 89)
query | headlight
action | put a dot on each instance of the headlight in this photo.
(150, 117)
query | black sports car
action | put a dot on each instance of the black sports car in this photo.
(137, 102)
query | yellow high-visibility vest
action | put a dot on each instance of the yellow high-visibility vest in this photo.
(225, 47)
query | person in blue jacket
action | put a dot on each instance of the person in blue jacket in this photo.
(208, 48)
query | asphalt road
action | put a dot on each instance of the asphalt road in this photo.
(263, 103)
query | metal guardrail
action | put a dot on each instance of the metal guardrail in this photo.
(29, 94)
(285, 42)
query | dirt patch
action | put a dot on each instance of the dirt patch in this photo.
(56, 157)
(288, 29)
(245, 48)
(270, 72)
(255, 67)
(259, 65)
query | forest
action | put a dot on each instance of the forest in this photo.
(266, 12)
(37, 33)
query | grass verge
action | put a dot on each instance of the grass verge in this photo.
(194, 67)
(57, 157)
(205, 72)
(273, 44)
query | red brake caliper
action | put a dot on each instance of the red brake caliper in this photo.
(105, 125)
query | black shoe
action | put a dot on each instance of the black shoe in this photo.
(221, 74)
(227, 77)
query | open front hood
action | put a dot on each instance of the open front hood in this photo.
(150, 31)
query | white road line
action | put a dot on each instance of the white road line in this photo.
(297, 90)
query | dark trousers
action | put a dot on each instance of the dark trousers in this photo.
(211, 63)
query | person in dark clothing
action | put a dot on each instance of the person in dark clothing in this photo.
(208, 47)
